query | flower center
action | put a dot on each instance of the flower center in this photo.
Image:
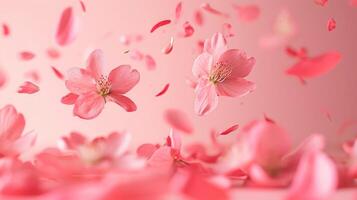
(103, 86)
(221, 71)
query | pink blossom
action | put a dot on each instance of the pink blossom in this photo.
(220, 72)
(93, 89)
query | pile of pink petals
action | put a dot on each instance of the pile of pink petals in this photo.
(104, 168)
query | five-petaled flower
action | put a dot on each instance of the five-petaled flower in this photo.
(90, 89)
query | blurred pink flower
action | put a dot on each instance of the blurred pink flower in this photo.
(220, 72)
(350, 147)
(12, 124)
(90, 89)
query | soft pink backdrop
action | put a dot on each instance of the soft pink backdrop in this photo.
(297, 108)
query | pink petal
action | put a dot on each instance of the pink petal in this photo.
(12, 123)
(161, 158)
(178, 120)
(159, 24)
(315, 178)
(33, 75)
(227, 30)
(57, 73)
(316, 66)
(321, 2)
(83, 6)
(202, 65)
(206, 98)
(164, 90)
(53, 53)
(229, 130)
(5, 30)
(80, 81)
(26, 55)
(198, 18)
(28, 88)
(239, 62)
(331, 24)
(188, 30)
(235, 87)
(149, 62)
(146, 150)
(69, 99)
(169, 47)
(95, 63)
(207, 7)
(22, 144)
(216, 45)
(88, 106)
(178, 11)
(191, 83)
(3, 78)
(247, 13)
(73, 141)
(123, 79)
(136, 55)
(175, 140)
(301, 53)
(124, 102)
(67, 28)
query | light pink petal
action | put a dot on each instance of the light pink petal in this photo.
(331, 24)
(57, 73)
(235, 87)
(178, 11)
(95, 63)
(12, 123)
(301, 53)
(53, 53)
(321, 2)
(316, 66)
(206, 98)
(22, 144)
(69, 99)
(80, 81)
(169, 47)
(26, 55)
(124, 102)
(247, 13)
(207, 7)
(88, 106)
(28, 88)
(160, 24)
(67, 28)
(146, 150)
(315, 178)
(198, 18)
(227, 30)
(163, 91)
(202, 65)
(136, 55)
(178, 120)
(161, 158)
(123, 79)
(188, 30)
(191, 83)
(149, 62)
(73, 141)
(5, 30)
(229, 130)
(239, 62)
(216, 45)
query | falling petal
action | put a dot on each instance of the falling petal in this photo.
(178, 11)
(26, 55)
(159, 24)
(188, 30)
(178, 120)
(57, 73)
(67, 29)
(321, 2)
(301, 53)
(53, 53)
(3, 78)
(33, 75)
(83, 6)
(163, 91)
(207, 7)
(229, 130)
(331, 24)
(5, 30)
(227, 30)
(169, 47)
(247, 13)
(28, 88)
(198, 18)
(149, 62)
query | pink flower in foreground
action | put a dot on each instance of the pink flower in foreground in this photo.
(220, 72)
(12, 123)
(90, 89)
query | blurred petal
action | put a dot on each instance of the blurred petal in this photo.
(178, 120)
(206, 98)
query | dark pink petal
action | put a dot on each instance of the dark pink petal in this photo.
(227, 30)
(53, 53)
(69, 99)
(124, 102)
(206, 99)
(149, 62)
(28, 88)
(188, 30)
(178, 11)
(178, 120)
(321, 2)
(123, 79)
(198, 18)
(353, 3)
(67, 28)
(83, 6)
(207, 7)
(164, 90)
(5, 30)
(247, 13)
(331, 24)
(229, 130)
(57, 73)
(200, 45)
(169, 47)
(316, 66)
(159, 24)
(26, 55)
(88, 106)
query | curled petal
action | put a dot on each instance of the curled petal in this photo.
(207, 7)
(159, 24)
(331, 24)
(163, 91)
(12, 123)
(57, 73)
(169, 47)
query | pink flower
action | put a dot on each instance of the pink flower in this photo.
(12, 124)
(220, 72)
(90, 89)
